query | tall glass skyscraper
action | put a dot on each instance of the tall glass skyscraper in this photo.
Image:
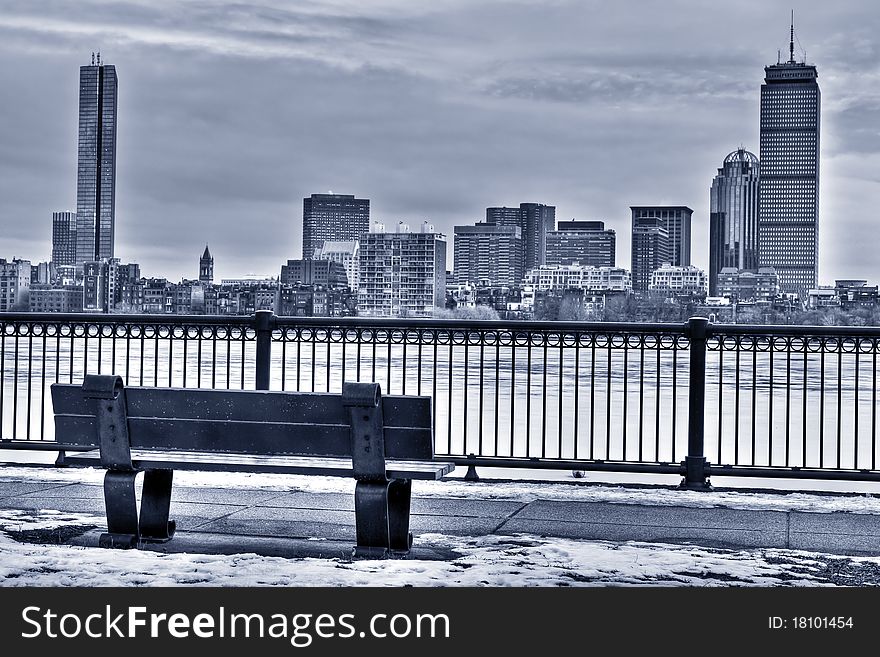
(788, 224)
(733, 216)
(96, 167)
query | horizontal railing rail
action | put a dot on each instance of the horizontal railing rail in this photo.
(694, 399)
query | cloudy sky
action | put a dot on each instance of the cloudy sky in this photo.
(230, 113)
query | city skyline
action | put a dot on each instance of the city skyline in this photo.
(598, 124)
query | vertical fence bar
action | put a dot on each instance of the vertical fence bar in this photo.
(264, 322)
(696, 467)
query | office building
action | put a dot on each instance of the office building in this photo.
(650, 249)
(336, 217)
(63, 238)
(677, 221)
(581, 242)
(733, 216)
(326, 273)
(788, 223)
(488, 254)
(96, 164)
(534, 220)
(402, 274)
(345, 253)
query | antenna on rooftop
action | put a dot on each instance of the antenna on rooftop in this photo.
(99, 58)
(93, 58)
(790, 43)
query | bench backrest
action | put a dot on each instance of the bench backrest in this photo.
(245, 421)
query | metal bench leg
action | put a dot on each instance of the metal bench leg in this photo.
(399, 536)
(121, 505)
(155, 504)
(371, 519)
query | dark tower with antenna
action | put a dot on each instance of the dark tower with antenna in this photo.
(788, 216)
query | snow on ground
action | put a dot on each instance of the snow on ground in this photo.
(486, 561)
(523, 560)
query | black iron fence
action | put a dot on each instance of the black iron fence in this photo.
(694, 399)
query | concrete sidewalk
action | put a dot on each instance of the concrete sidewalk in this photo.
(296, 523)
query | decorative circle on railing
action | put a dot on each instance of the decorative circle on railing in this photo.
(380, 336)
(52, 330)
(831, 345)
(867, 345)
(37, 330)
(209, 332)
(397, 336)
(668, 341)
(505, 338)
(79, 330)
(815, 345)
(192, 332)
(601, 341)
(93, 330)
(569, 340)
(459, 337)
(178, 332)
(797, 345)
(336, 335)
(618, 342)
(849, 345)
(635, 341)
(521, 339)
(651, 342)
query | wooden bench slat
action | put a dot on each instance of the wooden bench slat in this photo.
(244, 405)
(218, 461)
(249, 437)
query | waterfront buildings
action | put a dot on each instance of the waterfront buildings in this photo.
(581, 242)
(336, 217)
(402, 273)
(673, 279)
(488, 254)
(15, 284)
(733, 216)
(96, 163)
(563, 277)
(788, 223)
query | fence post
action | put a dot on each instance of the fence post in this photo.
(695, 465)
(264, 323)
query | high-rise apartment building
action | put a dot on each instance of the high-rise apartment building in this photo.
(534, 220)
(337, 217)
(677, 221)
(402, 274)
(650, 249)
(733, 216)
(63, 238)
(581, 242)
(96, 165)
(788, 223)
(488, 254)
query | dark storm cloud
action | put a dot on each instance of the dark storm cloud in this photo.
(230, 113)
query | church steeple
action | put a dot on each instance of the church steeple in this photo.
(206, 267)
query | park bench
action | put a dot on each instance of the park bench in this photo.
(382, 442)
